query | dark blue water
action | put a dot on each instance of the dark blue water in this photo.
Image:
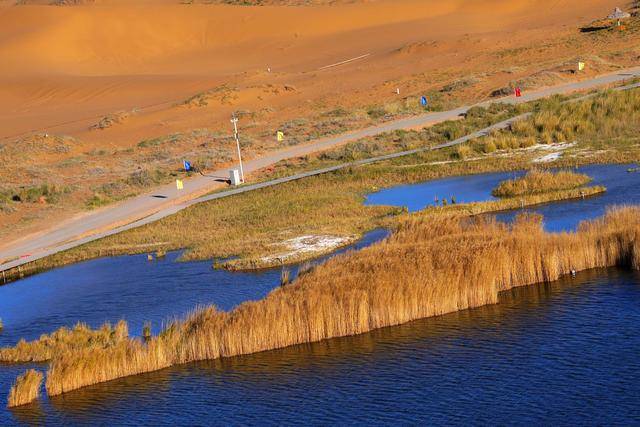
(622, 188)
(553, 354)
(557, 354)
(130, 288)
(125, 287)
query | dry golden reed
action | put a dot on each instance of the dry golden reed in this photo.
(538, 181)
(430, 266)
(65, 339)
(26, 389)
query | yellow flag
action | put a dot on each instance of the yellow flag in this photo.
(280, 136)
(580, 66)
(179, 184)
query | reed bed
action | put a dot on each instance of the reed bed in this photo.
(539, 181)
(430, 266)
(64, 339)
(81, 337)
(598, 121)
(26, 389)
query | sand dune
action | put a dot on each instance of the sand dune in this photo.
(113, 38)
(66, 68)
(117, 55)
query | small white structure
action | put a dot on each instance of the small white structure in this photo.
(619, 14)
(234, 176)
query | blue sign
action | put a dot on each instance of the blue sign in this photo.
(187, 165)
(423, 101)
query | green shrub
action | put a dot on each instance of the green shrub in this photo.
(462, 152)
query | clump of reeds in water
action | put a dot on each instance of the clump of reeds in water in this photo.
(537, 182)
(146, 331)
(63, 340)
(26, 389)
(285, 277)
(428, 267)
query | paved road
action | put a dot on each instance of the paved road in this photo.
(166, 200)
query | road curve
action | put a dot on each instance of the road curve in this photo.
(167, 200)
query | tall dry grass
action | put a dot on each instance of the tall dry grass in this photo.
(81, 337)
(539, 181)
(606, 116)
(64, 339)
(26, 389)
(602, 120)
(430, 266)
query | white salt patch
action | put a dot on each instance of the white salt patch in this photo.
(548, 158)
(309, 244)
(556, 148)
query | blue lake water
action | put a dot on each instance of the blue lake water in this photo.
(622, 188)
(552, 354)
(465, 189)
(130, 288)
(557, 354)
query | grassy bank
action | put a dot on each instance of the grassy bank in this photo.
(608, 121)
(256, 226)
(430, 266)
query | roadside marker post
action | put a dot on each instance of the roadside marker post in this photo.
(234, 120)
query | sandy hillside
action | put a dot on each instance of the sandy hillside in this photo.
(66, 63)
(113, 79)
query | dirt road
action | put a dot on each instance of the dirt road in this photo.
(167, 200)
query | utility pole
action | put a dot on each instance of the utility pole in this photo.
(234, 120)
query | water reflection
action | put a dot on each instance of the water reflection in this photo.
(31, 414)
